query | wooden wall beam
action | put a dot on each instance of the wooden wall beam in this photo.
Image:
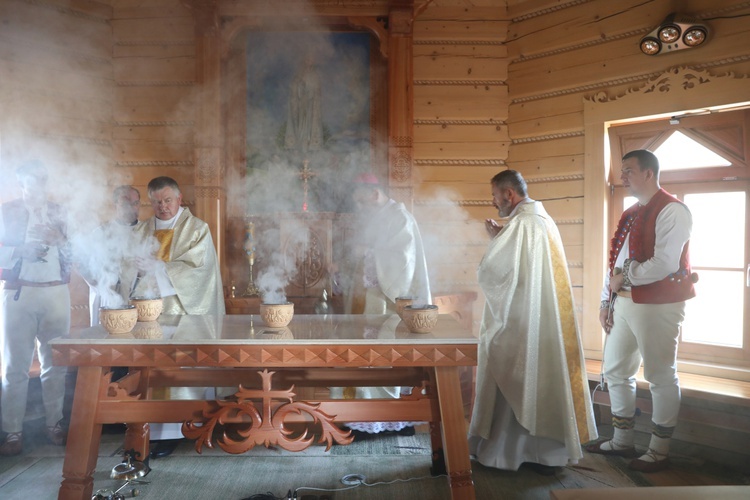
(208, 155)
(400, 102)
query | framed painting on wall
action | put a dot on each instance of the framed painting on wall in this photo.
(308, 119)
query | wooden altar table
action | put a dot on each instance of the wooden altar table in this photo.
(260, 368)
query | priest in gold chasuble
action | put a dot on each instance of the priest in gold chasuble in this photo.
(183, 269)
(532, 401)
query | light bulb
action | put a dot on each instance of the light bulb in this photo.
(694, 36)
(650, 46)
(669, 33)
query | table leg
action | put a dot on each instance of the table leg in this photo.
(455, 444)
(438, 459)
(137, 434)
(136, 439)
(84, 435)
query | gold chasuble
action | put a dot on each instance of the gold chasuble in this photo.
(164, 237)
(530, 346)
(190, 282)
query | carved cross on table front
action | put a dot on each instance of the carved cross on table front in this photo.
(267, 395)
(267, 429)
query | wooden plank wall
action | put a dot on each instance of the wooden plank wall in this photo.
(153, 56)
(562, 52)
(55, 87)
(460, 133)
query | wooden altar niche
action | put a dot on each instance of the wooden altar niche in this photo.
(309, 242)
(331, 233)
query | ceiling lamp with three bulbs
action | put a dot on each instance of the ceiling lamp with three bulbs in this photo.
(676, 32)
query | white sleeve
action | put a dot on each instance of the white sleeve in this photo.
(6, 252)
(605, 289)
(673, 227)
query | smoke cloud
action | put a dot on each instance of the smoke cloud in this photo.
(68, 125)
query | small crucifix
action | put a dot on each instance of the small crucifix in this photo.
(305, 175)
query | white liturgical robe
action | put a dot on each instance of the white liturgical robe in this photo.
(396, 253)
(395, 266)
(530, 356)
(105, 252)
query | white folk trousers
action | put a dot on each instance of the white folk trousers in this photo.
(647, 333)
(39, 315)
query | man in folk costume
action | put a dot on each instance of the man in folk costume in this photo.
(647, 286)
(185, 273)
(35, 262)
(394, 266)
(532, 402)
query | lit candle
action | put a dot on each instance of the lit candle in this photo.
(250, 242)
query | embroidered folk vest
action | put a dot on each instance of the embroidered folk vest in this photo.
(640, 222)
(15, 219)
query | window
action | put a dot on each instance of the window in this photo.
(716, 254)
(680, 152)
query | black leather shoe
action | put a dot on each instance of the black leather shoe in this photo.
(362, 435)
(407, 431)
(56, 434)
(597, 448)
(12, 444)
(163, 447)
(542, 470)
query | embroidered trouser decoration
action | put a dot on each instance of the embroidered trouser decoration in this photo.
(625, 423)
(662, 432)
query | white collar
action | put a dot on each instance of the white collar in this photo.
(522, 202)
(169, 223)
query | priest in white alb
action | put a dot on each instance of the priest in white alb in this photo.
(394, 266)
(102, 254)
(394, 259)
(532, 402)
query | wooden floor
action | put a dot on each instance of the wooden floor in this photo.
(37, 472)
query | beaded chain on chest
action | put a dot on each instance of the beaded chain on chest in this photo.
(619, 239)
